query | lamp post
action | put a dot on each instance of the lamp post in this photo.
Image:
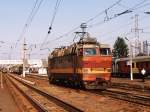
(130, 56)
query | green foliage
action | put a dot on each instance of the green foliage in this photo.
(120, 48)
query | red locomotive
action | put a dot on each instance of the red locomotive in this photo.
(85, 63)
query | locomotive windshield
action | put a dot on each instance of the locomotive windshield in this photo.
(105, 51)
(89, 51)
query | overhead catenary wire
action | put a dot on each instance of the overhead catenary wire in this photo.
(129, 10)
(54, 15)
(104, 11)
(122, 27)
(135, 7)
(36, 10)
(89, 20)
(67, 33)
(29, 20)
(31, 13)
(123, 6)
(52, 21)
(124, 34)
(26, 23)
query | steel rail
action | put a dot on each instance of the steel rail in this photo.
(142, 100)
(39, 107)
(38, 77)
(131, 87)
(54, 99)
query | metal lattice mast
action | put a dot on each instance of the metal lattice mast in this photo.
(83, 27)
(137, 39)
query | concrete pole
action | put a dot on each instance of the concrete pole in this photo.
(131, 72)
(130, 53)
(1, 80)
(24, 57)
(23, 74)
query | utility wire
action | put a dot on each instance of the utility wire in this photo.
(29, 19)
(67, 33)
(26, 23)
(55, 12)
(121, 27)
(32, 11)
(52, 21)
(136, 6)
(104, 11)
(36, 10)
(129, 10)
(89, 20)
(143, 5)
(123, 6)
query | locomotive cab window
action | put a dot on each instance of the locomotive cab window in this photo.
(89, 51)
(105, 51)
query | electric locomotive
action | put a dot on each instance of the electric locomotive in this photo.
(86, 63)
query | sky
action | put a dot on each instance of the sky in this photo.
(70, 14)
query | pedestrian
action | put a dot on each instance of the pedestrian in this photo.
(143, 71)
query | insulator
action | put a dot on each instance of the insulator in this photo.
(50, 28)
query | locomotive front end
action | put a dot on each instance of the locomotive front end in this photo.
(96, 66)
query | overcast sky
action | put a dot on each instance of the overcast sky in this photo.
(71, 13)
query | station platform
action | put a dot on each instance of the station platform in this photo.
(7, 103)
(135, 83)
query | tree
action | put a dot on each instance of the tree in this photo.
(120, 48)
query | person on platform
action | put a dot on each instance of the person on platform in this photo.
(143, 71)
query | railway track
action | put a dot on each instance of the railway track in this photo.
(127, 96)
(38, 77)
(123, 93)
(35, 104)
(140, 88)
(124, 86)
(40, 99)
